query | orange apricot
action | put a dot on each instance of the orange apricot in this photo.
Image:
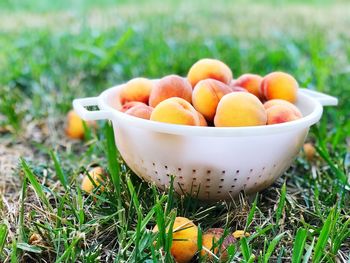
(280, 114)
(140, 111)
(137, 89)
(75, 125)
(250, 82)
(97, 174)
(271, 103)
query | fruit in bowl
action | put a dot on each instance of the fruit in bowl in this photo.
(210, 97)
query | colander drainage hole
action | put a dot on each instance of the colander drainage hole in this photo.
(155, 172)
(208, 171)
(233, 186)
(255, 183)
(223, 172)
(194, 170)
(237, 171)
(194, 179)
(165, 166)
(248, 178)
(263, 168)
(260, 176)
(235, 179)
(222, 180)
(219, 192)
(208, 179)
(153, 164)
(274, 165)
(207, 186)
(220, 186)
(179, 169)
(181, 177)
(251, 170)
(230, 191)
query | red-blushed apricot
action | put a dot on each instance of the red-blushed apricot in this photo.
(184, 244)
(206, 96)
(75, 125)
(280, 114)
(177, 111)
(309, 151)
(170, 86)
(97, 174)
(140, 111)
(210, 241)
(236, 89)
(239, 109)
(130, 105)
(208, 68)
(251, 82)
(137, 89)
(271, 103)
(279, 85)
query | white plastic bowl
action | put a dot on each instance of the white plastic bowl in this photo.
(209, 162)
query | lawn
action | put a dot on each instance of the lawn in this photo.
(53, 53)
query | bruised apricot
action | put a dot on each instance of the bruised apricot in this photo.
(208, 68)
(168, 87)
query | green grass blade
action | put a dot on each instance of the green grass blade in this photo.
(323, 238)
(37, 187)
(251, 213)
(299, 245)
(29, 248)
(3, 236)
(245, 249)
(271, 247)
(281, 204)
(308, 253)
(60, 174)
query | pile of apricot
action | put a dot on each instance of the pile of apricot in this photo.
(209, 96)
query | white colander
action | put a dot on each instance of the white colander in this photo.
(211, 163)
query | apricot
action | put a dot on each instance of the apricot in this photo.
(210, 240)
(184, 244)
(140, 111)
(208, 68)
(202, 121)
(250, 82)
(170, 86)
(280, 113)
(271, 103)
(279, 85)
(235, 89)
(75, 125)
(177, 111)
(131, 104)
(240, 109)
(137, 89)
(97, 174)
(309, 151)
(206, 96)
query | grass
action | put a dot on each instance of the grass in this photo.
(46, 217)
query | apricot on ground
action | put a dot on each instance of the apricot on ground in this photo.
(75, 125)
(208, 68)
(279, 85)
(239, 109)
(280, 114)
(250, 82)
(137, 89)
(97, 174)
(309, 150)
(168, 87)
(177, 111)
(140, 111)
(210, 242)
(206, 96)
(184, 244)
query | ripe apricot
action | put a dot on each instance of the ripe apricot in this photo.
(240, 109)
(210, 241)
(177, 111)
(309, 151)
(170, 86)
(206, 96)
(279, 85)
(137, 89)
(75, 125)
(208, 68)
(97, 175)
(184, 245)
(131, 104)
(279, 114)
(251, 82)
(140, 111)
(271, 103)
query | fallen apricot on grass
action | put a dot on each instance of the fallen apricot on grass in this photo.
(75, 125)
(97, 174)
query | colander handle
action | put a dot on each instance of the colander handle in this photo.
(324, 99)
(87, 115)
